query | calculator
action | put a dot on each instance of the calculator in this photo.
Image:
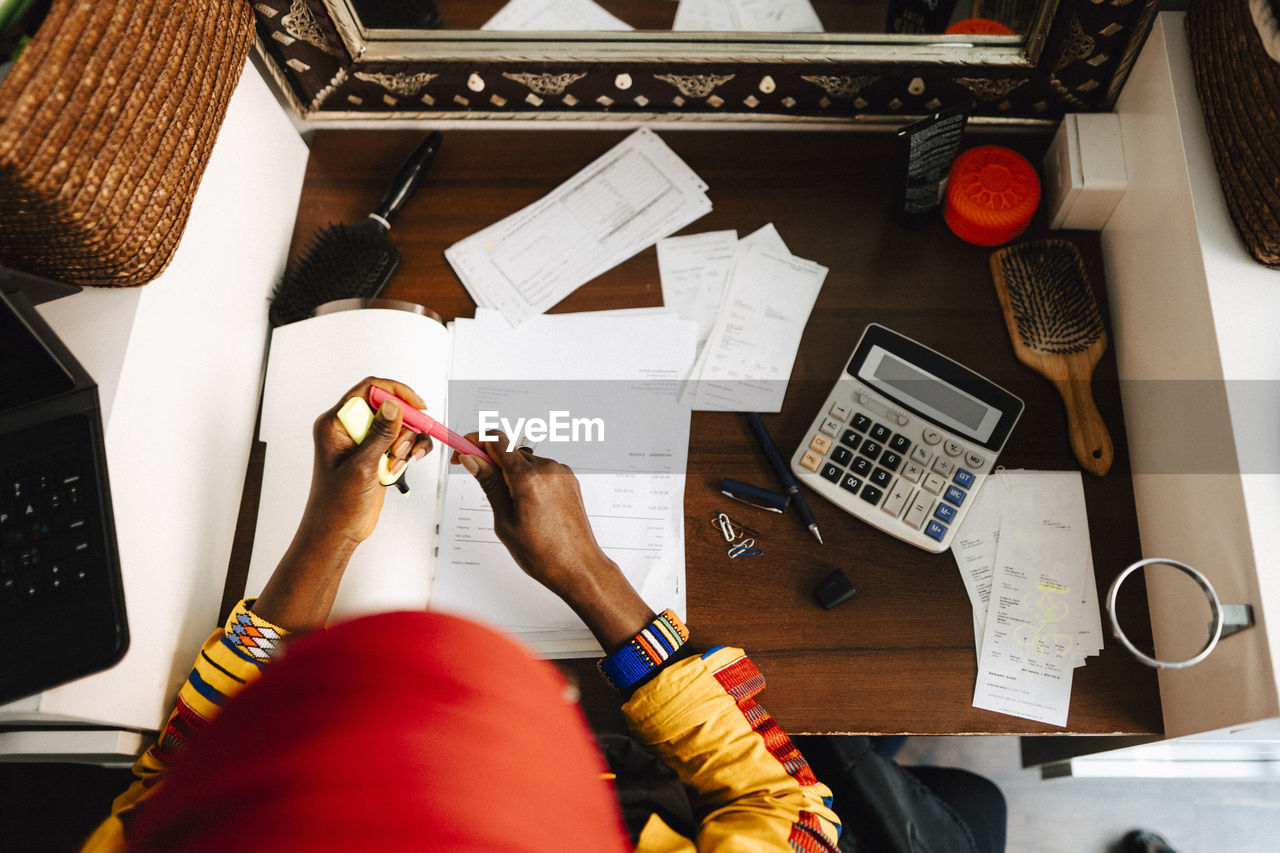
(906, 438)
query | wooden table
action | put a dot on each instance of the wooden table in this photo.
(900, 656)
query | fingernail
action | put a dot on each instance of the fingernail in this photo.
(389, 410)
(402, 446)
(470, 463)
(398, 467)
(419, 452)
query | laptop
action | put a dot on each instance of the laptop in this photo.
(62, 612)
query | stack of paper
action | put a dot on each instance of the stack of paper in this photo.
(632, 196)
(751, 299)
(1026, 562)
(620, 370)
(736, 16)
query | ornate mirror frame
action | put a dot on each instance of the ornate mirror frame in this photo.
(1074, 58)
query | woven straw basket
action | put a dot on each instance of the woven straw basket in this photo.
(106, 124)
(1235, 53)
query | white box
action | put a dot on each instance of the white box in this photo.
(1084, 173)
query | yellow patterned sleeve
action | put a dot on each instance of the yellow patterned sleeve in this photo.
(752, 787)
(230, 658)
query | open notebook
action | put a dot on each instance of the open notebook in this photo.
(614, 376)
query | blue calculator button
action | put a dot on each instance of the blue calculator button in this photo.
(944, 513)
(964, 479)
(935, 531)
(954, 495)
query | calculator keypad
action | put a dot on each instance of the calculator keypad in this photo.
(912, 473)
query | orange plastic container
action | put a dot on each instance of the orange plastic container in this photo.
(980, 27)
(991, 195)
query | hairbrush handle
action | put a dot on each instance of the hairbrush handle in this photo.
(1090, 440)
(408, 178)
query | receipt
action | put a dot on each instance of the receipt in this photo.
(757, 16)
(554, 15)
(1025, 557)
(694, 270)
(635, 194)
(746, 363)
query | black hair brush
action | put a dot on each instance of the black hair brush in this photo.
(350, 261)
(1056, 328)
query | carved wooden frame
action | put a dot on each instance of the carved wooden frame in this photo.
(1075, 58)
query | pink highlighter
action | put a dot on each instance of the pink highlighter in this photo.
(419, 422)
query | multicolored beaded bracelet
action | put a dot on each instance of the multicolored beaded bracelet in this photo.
(646, 651)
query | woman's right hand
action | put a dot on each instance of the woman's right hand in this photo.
(539, 515)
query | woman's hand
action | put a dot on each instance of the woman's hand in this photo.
(539, 515)
(346, 497)
(342, 508)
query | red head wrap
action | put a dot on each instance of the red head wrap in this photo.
(399, 732)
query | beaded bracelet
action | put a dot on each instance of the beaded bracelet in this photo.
(645, 653)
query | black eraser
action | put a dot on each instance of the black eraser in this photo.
(834, 589)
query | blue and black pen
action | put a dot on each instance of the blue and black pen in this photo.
(789, 483)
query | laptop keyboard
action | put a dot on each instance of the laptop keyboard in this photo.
(48, 543)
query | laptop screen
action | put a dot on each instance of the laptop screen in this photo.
(28, 372)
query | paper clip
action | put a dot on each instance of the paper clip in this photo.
(745, 548)
(730, 529)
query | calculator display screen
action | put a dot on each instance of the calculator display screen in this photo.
(929, 395)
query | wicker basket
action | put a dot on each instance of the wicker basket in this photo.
(1238, 82)
(106, 124)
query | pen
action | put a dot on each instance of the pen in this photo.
(784, 473)
(420, 422)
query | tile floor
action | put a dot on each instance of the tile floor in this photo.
(1079, 815)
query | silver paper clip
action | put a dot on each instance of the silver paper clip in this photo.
(730, 529)
(745, 548)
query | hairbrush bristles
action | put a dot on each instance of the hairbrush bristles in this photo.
(340, 262)
(1053, 306)
(1056, 329)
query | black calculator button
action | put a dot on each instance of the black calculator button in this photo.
(841, 455)
(891, 460)
(881, 477)
(871, 494)
(860, 422)
(870, 449)
(861, 465)
(832, 472)
(899, 443)
(851, 439)
(851, 483)
(881, 433)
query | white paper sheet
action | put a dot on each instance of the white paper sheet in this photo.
(625, 370)
(776, 16)
(694, 270)
(554, 15)
(311, 364)
(1038, 624)
(746, 363)
(634, 195)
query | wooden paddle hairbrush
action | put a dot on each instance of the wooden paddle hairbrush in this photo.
(1056, 329)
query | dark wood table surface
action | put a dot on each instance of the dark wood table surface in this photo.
(900, 656)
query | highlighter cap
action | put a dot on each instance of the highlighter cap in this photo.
(991, 196)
